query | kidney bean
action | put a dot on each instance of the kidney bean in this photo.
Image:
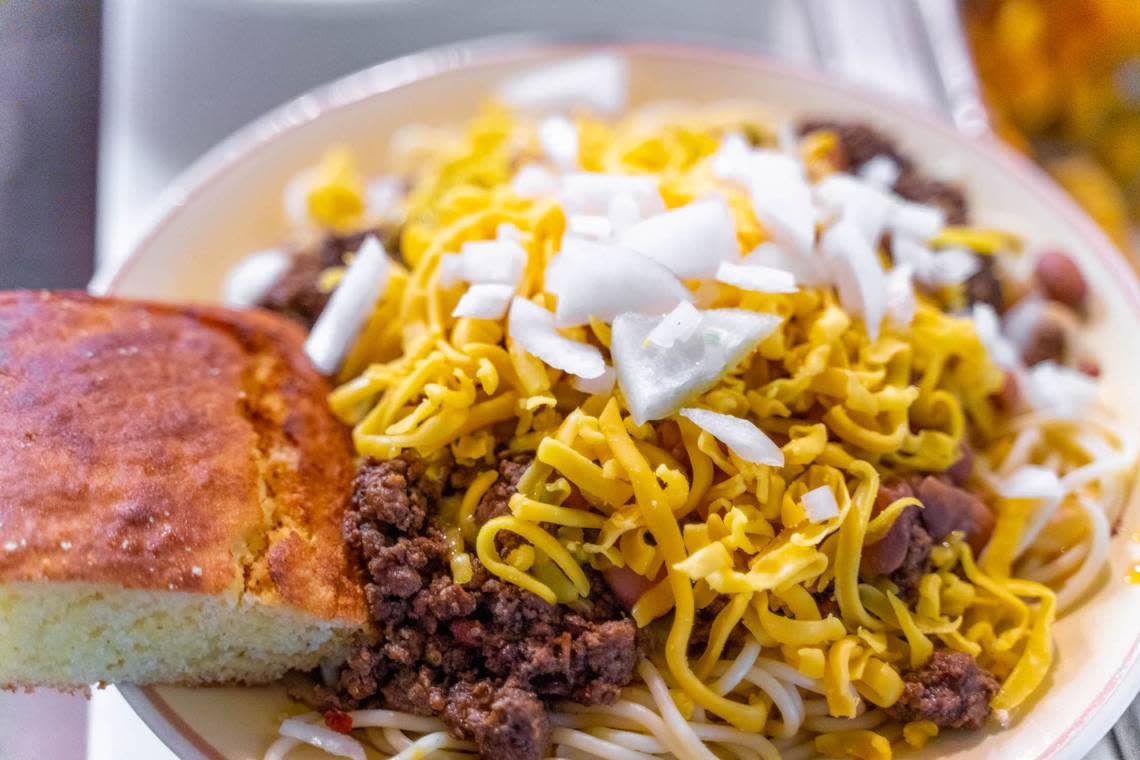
(1060, 279)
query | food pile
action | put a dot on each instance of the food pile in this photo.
(685, 433)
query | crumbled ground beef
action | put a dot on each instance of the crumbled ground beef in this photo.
(859, 143)
(296, 294)
(950, 690)
(984, 286)
(484, 655)
(496, 502)
(914, 186)
(916, 559)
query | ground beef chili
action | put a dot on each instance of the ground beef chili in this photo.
(859, 143)
(950, 690)
(297, 295)
(984, 286)
(486, 656)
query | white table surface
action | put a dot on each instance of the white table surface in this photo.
(179, 75)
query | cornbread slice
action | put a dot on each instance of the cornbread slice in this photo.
(171, 492)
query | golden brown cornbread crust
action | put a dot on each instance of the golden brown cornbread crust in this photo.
(172, 448)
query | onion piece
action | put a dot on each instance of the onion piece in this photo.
(599, 280)
(589, 226)
(781, 199)
(385, 196)
(881, 171)
(678, 324)
(533, 327)
(1032, 482)
(859, 278)
(1060, 390)
(363, 284)
(745, 439)
(781, 196)
(657, 381)
(559, 140)
(604, 383)
(901, 301)
(594, 192)
(599, 81)
(935, 269)
(484, 261)
(623, 212)
(323, 738)
(808, 269)
(820, 504)
(253, 277)
(534, 181)
(484, 301)
(916, 220)
(756, 277)
(690, 240)
(988, 327)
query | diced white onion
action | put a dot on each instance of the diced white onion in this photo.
(534, 181)
(745, 439)
(868, 208)
(253, 277)
(385, 196)
(533, 327)
(323, 738)
(623, 212)
(507, 231)
(589, 226)
(953, 266)
(757, 278)
(781, 196)
(484, 261)
(598, 81)
(559, 140)
(901, 301)
(934, 269)
(1032, 482)
(807, 269)
(916, 220)
(919, 222)
(604, 383)
(881, 170)
(657, 381)
(1000, 348)
(1060, 390)
(594, 192)
(820, 504)
(690, 240)
(678, 324)
(859, 277)
(599, 280)
(484, 301)
(364, 282)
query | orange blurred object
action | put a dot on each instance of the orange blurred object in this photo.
(1062, 79)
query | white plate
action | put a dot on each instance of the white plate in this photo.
(230, 203)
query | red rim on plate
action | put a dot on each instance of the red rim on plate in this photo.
(197, 180)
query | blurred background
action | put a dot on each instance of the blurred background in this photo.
(103, 104)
